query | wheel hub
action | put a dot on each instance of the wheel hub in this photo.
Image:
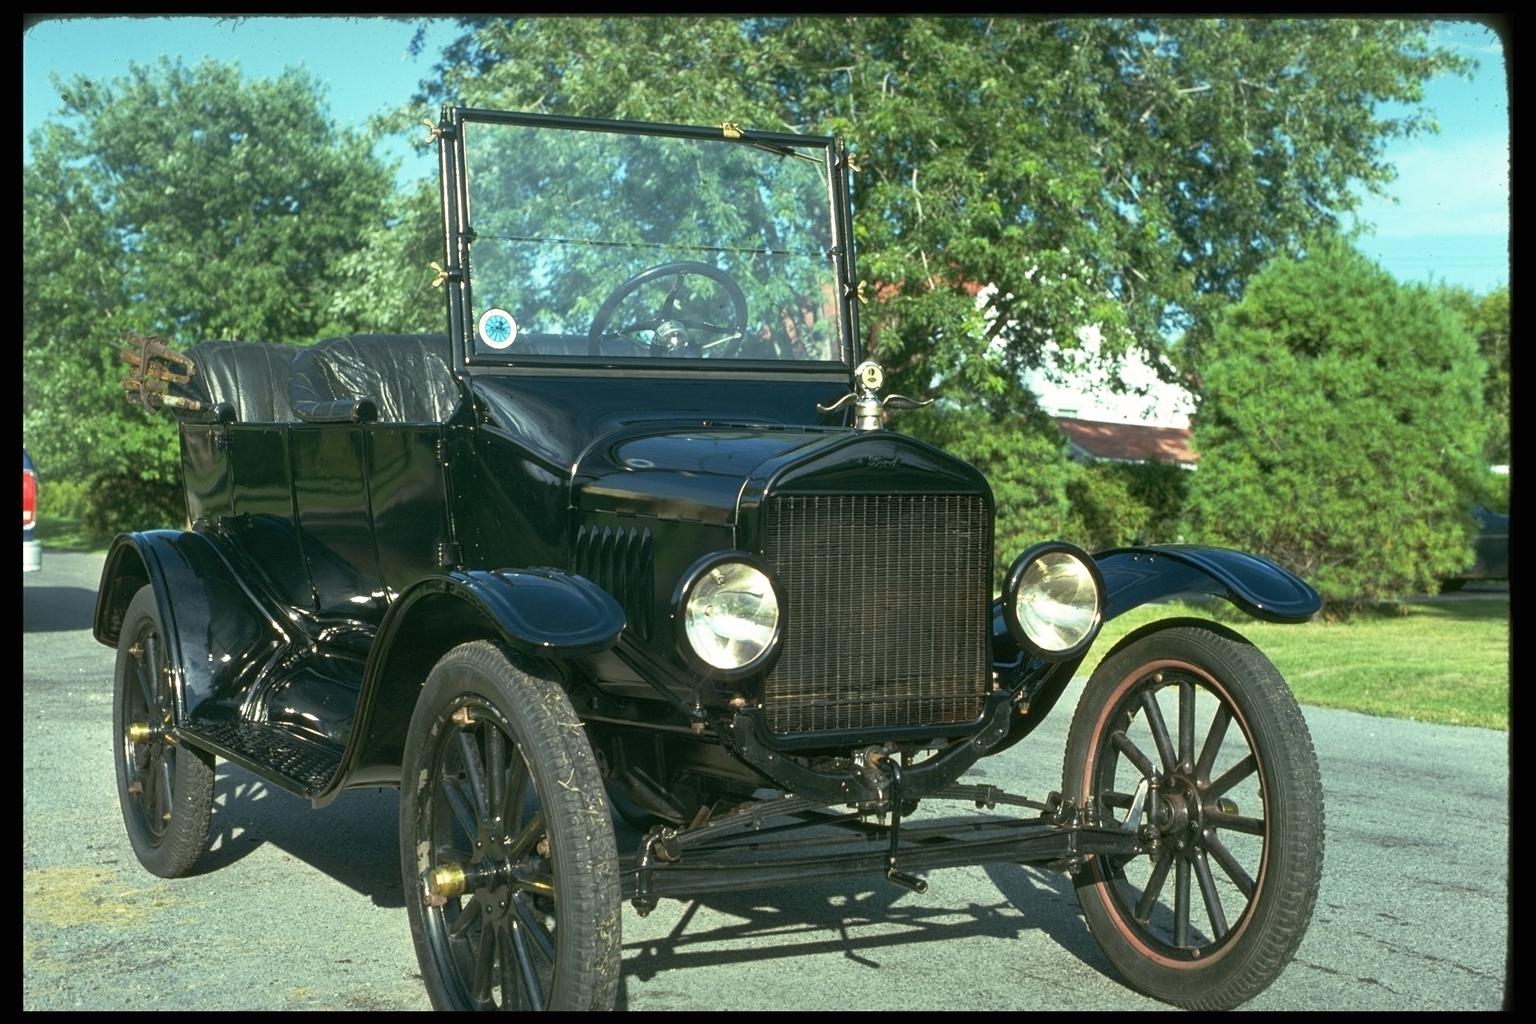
(1179, 812)
(492, 882)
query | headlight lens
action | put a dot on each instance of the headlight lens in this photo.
(731, 616)
(1056, 602)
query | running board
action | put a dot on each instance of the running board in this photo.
(300, 766)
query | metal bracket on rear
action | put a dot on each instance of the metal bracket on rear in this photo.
(156, 367)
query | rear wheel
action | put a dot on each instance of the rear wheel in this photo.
(165, 789)
(507, 851)
(1190, 736)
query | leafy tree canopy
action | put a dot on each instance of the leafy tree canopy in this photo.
(186, 202)
(1126, 172)
(1487, 319)
(1342, 428)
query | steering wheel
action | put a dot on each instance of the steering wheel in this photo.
(669, 328)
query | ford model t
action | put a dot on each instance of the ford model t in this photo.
(632, 537)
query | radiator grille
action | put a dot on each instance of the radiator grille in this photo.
(888, 621)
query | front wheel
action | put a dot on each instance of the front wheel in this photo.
(1190, 736)
(507, 851)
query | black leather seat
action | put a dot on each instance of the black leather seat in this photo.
(395, 378)
(251, 377)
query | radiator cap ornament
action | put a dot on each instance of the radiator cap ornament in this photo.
(868, 406)
(870, 375)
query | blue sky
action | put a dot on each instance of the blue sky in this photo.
(1447, 217)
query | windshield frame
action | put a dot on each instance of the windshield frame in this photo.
(458, 235)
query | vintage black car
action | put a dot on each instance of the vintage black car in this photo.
(632, 537)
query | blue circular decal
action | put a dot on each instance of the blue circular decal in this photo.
(497, 328)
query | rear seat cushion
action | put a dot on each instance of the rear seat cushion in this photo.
(408, 376)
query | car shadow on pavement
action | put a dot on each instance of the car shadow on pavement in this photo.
(354, 840)
(1032, 890)
(858, 920)
(56, 609)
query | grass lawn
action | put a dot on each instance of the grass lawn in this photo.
(1446, 662)
(60, 533)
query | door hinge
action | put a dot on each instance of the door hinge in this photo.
(450, 555)
(221, 440)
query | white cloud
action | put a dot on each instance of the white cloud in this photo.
(1460, 188)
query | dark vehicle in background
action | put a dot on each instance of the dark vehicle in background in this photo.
(31, 547)
(1491, 561)
(632, 536)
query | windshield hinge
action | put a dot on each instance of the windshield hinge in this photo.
(451, 274)
(731, 129)
(437, 131)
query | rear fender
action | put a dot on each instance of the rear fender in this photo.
(217, 632)
(540, 613)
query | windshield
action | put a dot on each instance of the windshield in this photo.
(605, 245)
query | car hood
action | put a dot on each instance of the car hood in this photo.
(714, 474)
(693, 473)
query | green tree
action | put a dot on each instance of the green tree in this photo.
(184, 202)
(1487, 320)
(1120, 503)
(387, 276)
(1126, 172)
(1342, 429)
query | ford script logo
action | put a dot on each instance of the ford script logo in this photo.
(882, 462)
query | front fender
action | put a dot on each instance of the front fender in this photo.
(544, 613)
(1139, 575)
(1134, 577)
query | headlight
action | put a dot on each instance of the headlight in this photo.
(1053, 600)
(730, 613)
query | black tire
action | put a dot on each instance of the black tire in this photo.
(1254, 867)
(165, 789)
(537, 925)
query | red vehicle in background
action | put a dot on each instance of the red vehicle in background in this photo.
(31, 548)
